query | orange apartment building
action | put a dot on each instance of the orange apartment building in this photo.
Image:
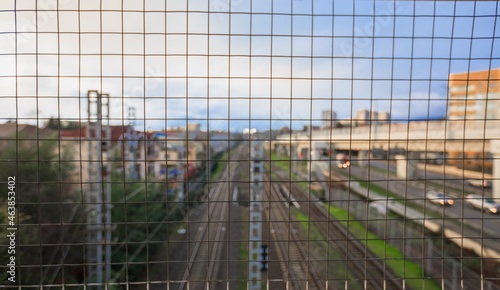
(474, 95)
(473, 98)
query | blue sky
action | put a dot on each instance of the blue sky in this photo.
(219, 64)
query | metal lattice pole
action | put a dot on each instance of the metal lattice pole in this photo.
(98, 223)
(255, 228)
(131, 146)
(108, 204)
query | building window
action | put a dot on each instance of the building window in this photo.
(104, 146)
(458, 88)
(151, 149)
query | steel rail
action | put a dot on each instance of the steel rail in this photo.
(217, 241)
(307, 266)
(213, 208)
(370, 268)
(200, 237)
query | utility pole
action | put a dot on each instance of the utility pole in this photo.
(180, 172)
(255, 229)
(132, 145)
(99, 185)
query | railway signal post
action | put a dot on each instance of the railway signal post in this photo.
(255, 229)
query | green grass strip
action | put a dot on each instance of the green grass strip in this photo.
(394, 258)
(219, 166)
(284, 163)
(315, 235)
(412, 273)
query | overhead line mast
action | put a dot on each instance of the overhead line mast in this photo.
(98, 196)
(255, 229)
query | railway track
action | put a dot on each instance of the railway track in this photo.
(362, 263)
(202, 262)
(300, 273)
(201, 267)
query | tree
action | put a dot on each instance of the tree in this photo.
(48, 214)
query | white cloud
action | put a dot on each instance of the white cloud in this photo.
(192, 54)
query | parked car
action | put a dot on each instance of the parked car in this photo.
(483, 203)
(479, 182)
(439, 198)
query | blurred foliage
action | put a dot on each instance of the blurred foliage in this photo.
(48, 215)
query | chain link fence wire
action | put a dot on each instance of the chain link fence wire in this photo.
(229, 144)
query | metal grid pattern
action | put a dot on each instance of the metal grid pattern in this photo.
(229, 144)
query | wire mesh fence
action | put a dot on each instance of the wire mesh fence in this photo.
(229, 144)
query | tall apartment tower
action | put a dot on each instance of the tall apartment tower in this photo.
(329, 119)
(362, 117)
(383, 116)
(474, 95)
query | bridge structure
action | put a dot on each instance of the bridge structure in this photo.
(404, 142)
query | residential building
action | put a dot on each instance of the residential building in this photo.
(474, 95)
(329, 119)
(308, 128)
(383, 117)
(362, 117)
(194, 127)
(77, 143)
(473, 104)
(367, 117)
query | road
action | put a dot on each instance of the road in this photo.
(485, 224)
(452, 182)
(458, 219)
